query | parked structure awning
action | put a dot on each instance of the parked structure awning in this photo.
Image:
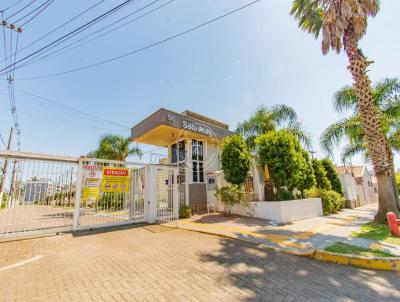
(165, 127)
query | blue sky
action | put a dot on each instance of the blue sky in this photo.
(226, 70)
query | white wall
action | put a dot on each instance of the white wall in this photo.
(280, 211)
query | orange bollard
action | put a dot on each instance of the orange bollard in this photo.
(393, 224)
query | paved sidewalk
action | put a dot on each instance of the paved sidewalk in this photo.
(299, 237)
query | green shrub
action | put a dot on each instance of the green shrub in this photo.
(332, 175)
(185, 212)
(235, 159)
(332, 201)
(279, 150)
(322, 181)
(229, 196)
(285, 195)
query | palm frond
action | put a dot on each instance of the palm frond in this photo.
(345, 99)
(282, 113)
(352, 150)
(298, 131)
(309, 15)
(348, 127)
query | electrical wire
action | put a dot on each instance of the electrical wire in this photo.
(12, 5)
(22, 9)
(77, 30)
(142, 48)
(71, 109)
(68, 47)
(49, 2)
(61, 115)
(2, 140)
(60, 26)
(31, 12)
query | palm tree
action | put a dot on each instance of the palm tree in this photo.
(268, 119)
(343, 23)
(386, 95)
(114, 147)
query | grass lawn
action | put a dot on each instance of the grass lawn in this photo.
(378, 232)
(344, 248)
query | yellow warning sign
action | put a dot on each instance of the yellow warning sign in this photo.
(115, 180)
(90, 193)
(92, 181)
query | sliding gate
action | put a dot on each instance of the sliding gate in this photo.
(42, 193)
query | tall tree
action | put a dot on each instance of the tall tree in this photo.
(332, 175)
(268, 119)
(114, 147)
(386, 94)
(235, 159)
(321, 178)
(343, 23)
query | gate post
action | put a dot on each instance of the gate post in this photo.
(151, 196)
(175, 202)
(77, 206)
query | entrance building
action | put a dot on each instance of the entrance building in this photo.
(193, 143)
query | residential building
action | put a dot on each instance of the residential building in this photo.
(358, 184)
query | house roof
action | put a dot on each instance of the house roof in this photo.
(357, 171)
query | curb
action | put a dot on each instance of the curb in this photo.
(375, 263)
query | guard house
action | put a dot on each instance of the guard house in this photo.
(193, 143)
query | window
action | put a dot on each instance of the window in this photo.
(178, 152)
(197, 160)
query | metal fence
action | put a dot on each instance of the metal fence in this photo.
(103, 205)
(38, 193)
(167, 194)
(43, 193)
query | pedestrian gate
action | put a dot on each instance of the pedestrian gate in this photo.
(41, 193)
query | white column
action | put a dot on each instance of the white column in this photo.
(175, 203)
(151, 194)
(77, 206)
(188, 169)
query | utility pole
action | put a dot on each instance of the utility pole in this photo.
(3, 176)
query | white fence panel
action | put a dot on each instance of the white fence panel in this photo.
(38, 193)
(110, 199)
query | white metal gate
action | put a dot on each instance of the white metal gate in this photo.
(44, 193)
(106, 206)
(37, 195)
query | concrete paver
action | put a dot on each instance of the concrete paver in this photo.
(177, 265)
(303, 236)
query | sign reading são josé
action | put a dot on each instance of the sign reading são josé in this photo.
(115, 180)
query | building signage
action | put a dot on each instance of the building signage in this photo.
(197, 128)
(115, 180)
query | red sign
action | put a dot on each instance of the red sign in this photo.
(115, 172)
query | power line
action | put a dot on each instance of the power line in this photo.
(12, 5)
(46, 5)
(22, 9)
(72, 109)
(32, 11)
(79, 29)
(2, 140)
(143, 48)
(40, 58)
(61, 26)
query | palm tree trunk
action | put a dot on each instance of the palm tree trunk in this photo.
(377, 144)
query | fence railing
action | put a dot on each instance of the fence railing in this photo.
(50, 193)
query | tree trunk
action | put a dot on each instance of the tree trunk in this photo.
(377, 144)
